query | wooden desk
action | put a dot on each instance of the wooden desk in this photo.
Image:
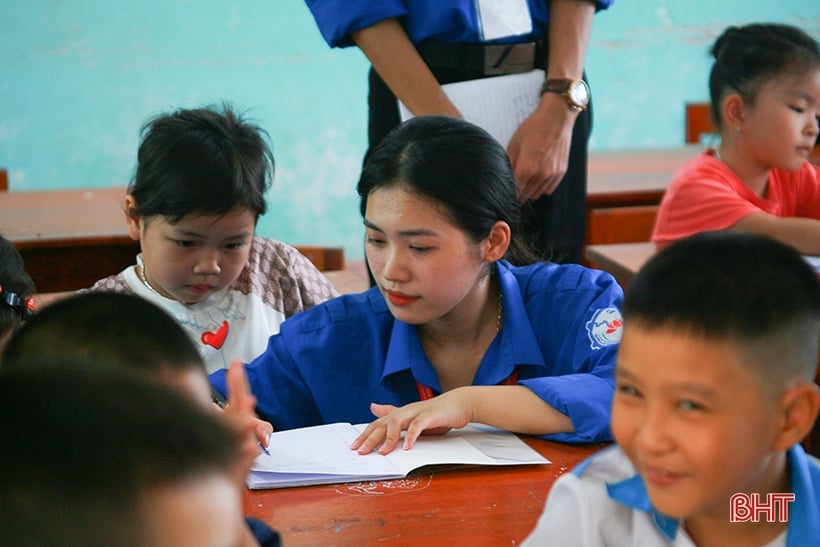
(467, 506)
(71, 238)
(622, 260)
(625, 188)
(68, 238)
(633, 177)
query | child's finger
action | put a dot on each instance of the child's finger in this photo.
(239, 391)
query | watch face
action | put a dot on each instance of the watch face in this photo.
(579, 93)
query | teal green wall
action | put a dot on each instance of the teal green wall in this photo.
(79, 77)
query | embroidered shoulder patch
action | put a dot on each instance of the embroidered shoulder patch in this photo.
(605, 327)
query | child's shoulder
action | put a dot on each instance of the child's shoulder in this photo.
(582, 497)
(265, 247)
(281, 267)
(112, 283)
(608, 465)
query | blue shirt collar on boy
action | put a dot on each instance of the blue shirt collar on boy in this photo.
(803, 527)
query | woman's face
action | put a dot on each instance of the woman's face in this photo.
(425, 266)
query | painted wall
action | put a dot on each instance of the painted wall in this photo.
(79, 77)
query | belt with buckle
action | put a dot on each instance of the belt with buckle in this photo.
(491, 60)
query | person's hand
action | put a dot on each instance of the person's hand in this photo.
(241, 415)
(539, 148)
(433, 416)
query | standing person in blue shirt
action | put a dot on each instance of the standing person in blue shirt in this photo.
(714, 392)
(453, 332)
(414, 46)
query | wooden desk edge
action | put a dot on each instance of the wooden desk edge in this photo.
(622, 260)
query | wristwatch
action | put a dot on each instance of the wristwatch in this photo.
(575, 91)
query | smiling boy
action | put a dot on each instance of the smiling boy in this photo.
(714, 391)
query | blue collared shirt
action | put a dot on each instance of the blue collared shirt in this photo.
(603, 501)
(443, 20)
(560, 333)
(804, 511)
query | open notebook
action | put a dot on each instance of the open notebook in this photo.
(322, 455)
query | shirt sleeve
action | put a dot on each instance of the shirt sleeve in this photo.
(703, 196)
(809, 183)
(278, 387)
(583, 331)
(337, 19)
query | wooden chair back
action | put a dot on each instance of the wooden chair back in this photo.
(324, 258)
(699, 122)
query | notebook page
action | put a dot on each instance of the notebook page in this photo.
(498, 104)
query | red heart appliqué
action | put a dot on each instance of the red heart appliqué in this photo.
(216, 339)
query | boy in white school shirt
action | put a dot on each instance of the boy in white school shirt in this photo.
(714, 391)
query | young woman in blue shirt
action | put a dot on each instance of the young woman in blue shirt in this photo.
(461, 325)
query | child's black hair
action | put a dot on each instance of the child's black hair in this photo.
(201, 161)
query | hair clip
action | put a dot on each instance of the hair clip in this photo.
(25, 307)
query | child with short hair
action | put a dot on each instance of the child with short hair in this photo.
(98, 458)
(765, 94)
(119, 331)
(714, 392)
(16, 291)
(196, 196)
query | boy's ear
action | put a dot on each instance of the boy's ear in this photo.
(800, 406)
(497, 243)
(133, 220)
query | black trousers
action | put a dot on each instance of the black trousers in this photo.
(554, 225)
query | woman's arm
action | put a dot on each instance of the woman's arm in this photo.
(513, 408)
(539, 149)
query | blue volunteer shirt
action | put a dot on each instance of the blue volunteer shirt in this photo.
(561, 329)
(442, 20)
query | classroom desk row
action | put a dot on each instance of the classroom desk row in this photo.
(465, 506)
(70, 238)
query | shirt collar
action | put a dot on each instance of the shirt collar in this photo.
(518, 340)
(518, 343)
(803, 527)
(632, 493)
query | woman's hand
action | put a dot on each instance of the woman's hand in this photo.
(539, 148)
(432, 417)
